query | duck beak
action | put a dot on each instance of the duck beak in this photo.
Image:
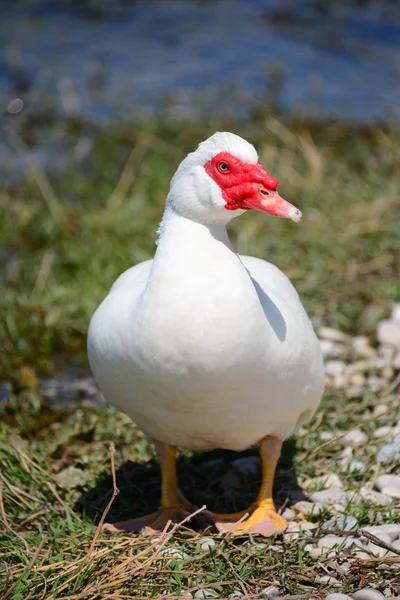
(271, 202)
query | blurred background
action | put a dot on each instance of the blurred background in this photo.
(101, 100)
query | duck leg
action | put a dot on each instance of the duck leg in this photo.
(174, 506)
(264, 520)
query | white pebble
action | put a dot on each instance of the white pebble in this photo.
(347, 457)
(342, 523)
(358, 380)
(309, 508)
(368, 594)
(336, 541)
(390, 529)
(384, 480)
(299, 531)
(326, 436)
(327, 580)
(333, 368)
(388, 453)
(384, 431)
(389, 484)
(307, 526)
(357, 465)
(361, 554)
(340, 381)
(376, 550)
(330, 496)
(235, 594)
(206, 593)
(353, 497)
(388, 332)
(376, 384)
(303, 528)
(330, 348)
(374, 497)
(354, 541)
(288, 514)
(395, 316)
(387, 352)
(315, 552)
(329, 333)
(326, 481)
(207, 543)
(376, 363)
(355, 438)
(172, 553)
(270, 592)
(396, 431)
(361, 345)
(331, 541)
(337, 596)
(379, 410)
(392, 490)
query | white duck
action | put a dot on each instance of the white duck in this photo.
(204, 348)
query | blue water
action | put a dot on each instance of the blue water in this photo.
(110, 59)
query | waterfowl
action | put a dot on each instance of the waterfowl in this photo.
(204, 348)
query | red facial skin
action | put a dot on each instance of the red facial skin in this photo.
(245, 186)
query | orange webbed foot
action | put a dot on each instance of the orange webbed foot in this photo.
(263, 521)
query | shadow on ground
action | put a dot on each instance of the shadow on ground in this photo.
(224, 481)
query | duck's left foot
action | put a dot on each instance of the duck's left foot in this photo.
(264, 521)
(156, 521)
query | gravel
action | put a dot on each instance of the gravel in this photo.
(389, 485)
(355, 438)
(342, 523)
(331, 480)
(327, 580)
(388, 453)
(368, 594)
(331, 541)
(330, 496)
(270, 592)
(309, 508)
(335, 367)
(206, 593)
(374, 497)
(391, 529)
(388, 332)
(207, 543)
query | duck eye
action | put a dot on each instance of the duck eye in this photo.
(223, 167)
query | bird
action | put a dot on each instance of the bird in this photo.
(204, 348)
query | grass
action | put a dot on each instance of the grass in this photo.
(63, 241)
(48, 523)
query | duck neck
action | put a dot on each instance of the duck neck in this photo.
(192, 253)
(190, 231)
